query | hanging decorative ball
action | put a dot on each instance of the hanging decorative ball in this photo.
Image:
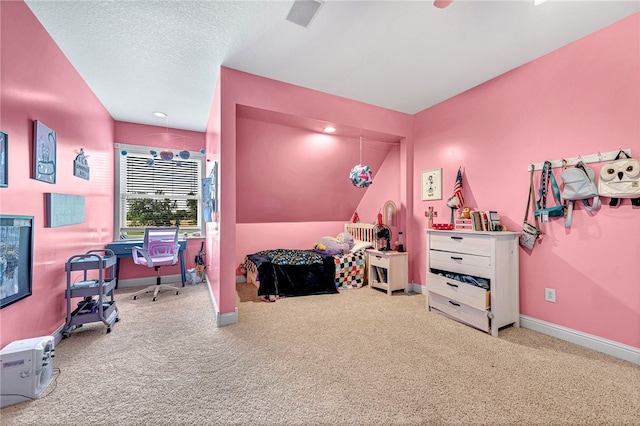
(123, 152)
(360, 176)
(184, 155)
(150, 162)
(166, 155)
(153, 153)
(202, 151)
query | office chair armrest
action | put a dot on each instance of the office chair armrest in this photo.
(139, 251)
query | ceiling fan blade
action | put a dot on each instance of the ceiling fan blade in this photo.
(441, 4)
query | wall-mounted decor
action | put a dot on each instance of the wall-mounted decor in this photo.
(16, 258)
(44, 153)
(63, 209)
(389, 213)
(210, 193)
(81, 166)
(4, 159)
(431, 185)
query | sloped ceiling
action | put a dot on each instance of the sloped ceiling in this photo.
(287, 173)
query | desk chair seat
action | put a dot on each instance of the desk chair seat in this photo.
(160, 248)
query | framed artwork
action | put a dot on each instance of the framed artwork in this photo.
(431, 185)
(210, 194)
(4, 159)
(16, 258)
(44, 153)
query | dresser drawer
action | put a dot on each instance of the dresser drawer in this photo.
(468, 294)
(378, 260)
(477, 318)
(459, 242)
(461, 263)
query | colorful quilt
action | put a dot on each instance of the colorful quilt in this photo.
(350, 270)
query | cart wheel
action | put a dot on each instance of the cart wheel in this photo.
(177, 292)
(154, 299)
(65, 335)
(117, 319)
(135, 297)
(108, 329)
(79, 325)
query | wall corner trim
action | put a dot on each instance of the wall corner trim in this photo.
(609, 347)
(222, 320)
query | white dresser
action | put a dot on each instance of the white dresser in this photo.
(457, 261)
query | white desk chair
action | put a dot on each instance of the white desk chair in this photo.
(160, 248)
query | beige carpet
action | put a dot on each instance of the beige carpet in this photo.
(358, 357)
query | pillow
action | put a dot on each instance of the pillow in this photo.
(360, 245)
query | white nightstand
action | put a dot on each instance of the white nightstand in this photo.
(388, 270)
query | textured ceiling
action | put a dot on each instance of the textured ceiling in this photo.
(145, 56)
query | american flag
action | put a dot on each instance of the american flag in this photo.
(457, 188)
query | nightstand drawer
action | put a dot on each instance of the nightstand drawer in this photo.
(460, 243)
(378, 260)
(471, 295)
(477, 318)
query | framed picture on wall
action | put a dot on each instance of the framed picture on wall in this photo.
(4, 159)
(44, 153)
(431, 185)
(16, 258)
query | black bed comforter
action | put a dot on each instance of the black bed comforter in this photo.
(286, 272)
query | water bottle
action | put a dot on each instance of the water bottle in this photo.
(400, 242)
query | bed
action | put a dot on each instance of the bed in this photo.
(292, 272)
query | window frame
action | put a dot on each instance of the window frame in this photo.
(143, 151)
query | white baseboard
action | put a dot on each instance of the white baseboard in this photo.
(609, 347)
(142, 282)
(222, 320)
(417, 288)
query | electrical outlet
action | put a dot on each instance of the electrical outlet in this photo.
(550, 295)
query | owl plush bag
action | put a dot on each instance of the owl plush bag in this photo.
(620, 179)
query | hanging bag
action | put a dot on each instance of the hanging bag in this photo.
(530, 233)
(547, 180)
(620, 179)
(579, 184)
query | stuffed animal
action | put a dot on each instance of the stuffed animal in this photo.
(346, 240)
(335, 245)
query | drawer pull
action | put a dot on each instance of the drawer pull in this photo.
(454, 303)
(452, 285)
(456, 258)
(456, 238)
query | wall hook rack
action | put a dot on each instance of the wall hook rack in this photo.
(572, 161)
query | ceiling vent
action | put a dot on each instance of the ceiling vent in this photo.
(303, 11)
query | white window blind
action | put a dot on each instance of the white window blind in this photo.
(152, 192)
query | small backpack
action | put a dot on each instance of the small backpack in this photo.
(579, 184)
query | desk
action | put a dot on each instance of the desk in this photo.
(123, 249)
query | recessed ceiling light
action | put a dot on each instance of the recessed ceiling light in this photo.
(329, 129)
(159, 114)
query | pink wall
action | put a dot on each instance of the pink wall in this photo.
(581, 99)
(288, 174)
(216, 256)
(238, 88)
(38, 83)
(161, 137)
(385, 187)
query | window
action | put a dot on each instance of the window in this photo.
(152, 190)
